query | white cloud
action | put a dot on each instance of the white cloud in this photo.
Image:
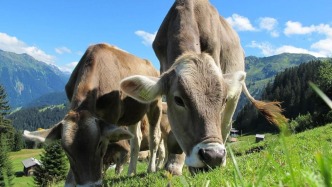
(292, 49)
(269, 24)
(12, 44)
(297, 28)
(147, 37)
(323, 46)
(68, 67)
(240, 23)
(61, 50)
(274, 34)
(267, 49)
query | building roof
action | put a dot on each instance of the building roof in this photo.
(30, 162)
(234, 130)
(260, 135)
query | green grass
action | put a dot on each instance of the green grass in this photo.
(303, 159)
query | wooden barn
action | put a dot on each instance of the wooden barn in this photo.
(29, 166)
(259, 137)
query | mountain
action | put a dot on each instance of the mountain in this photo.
(260, 71)
(26, 79)
(32, 118)
(299, 101)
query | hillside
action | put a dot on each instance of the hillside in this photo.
(277, 161)
(32, 118)
(301, 159)
(26, 79)
(291, 88)
(261, 70)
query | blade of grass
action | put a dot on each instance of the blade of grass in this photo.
(325, 169)
(262, 172)
(288, 160)
(321, 94)
(237, 170)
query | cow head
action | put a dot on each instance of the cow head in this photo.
(84, 138)
(196, 92)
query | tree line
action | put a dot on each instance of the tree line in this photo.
(33, 118)
(54, 164)
(301, 105)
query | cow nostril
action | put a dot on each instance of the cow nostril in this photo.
(212, 157)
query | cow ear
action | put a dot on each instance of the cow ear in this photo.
(234, 82)
(142, 88)
(44, 135)
(114, 133)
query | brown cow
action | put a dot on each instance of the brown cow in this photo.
(94, 92)
(202, 62)
(118, 152)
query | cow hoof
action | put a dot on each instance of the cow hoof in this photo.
(194, 171)
(173, 170)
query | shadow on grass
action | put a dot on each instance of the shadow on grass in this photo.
(255, 149)
(19, 174)
(120, 179)
(115, 180)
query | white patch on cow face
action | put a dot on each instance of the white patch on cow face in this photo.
(183, 64)
(194, 160)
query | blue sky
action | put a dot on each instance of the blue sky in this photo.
(58, 32)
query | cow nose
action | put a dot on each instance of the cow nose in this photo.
(212, 157)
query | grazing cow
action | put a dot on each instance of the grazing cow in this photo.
(118, 152)
(94, 92)
(202, 66)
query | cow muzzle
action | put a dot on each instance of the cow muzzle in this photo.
(207, 156)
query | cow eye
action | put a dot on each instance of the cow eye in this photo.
(178, 101)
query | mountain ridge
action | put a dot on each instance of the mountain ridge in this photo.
(25, 78)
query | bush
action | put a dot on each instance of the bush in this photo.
(54, 166)
(304, 122)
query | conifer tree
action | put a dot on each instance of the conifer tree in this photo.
(6, 168)
(54, 165)
(18, 141)
(6, 128)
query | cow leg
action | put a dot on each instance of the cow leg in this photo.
(227, 117)
(121, 161)
(135, 144)
(118, 168)
(175, 155)
(161, 155)
(226, 122)
(154, 117)
(175, 163)
(70, 180)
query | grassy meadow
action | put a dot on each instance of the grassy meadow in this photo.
(303, 159)
(17, 158)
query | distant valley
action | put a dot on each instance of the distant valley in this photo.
(34, 85)
(26, 79)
